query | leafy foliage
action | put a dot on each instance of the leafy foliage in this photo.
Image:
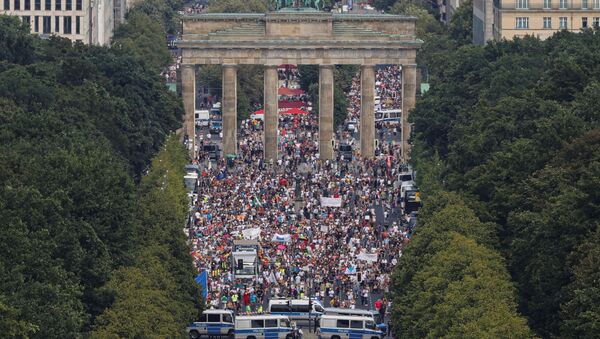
(78, 125)
(449, 282)
(513, 126)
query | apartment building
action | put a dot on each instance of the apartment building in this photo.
(88, 21)
(497, 19)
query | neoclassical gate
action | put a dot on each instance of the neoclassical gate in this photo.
(299, 36)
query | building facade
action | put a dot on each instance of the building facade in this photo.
(88, 21)
(497, 19)
(447, 9)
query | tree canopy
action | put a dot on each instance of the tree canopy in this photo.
(78, 127)
(512, 128)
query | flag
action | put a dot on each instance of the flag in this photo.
(202, 280)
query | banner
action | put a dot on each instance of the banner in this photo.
(331, 202)
(251, 233)
(370, 257)
(202, 280)
(281, 238)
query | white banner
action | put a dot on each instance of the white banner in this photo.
(331, 202)
(370, 257)
(281, 238)
(251, 233)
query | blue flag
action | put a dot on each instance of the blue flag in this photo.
(201, 279)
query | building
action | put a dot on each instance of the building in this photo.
(88, 21)
(497, 19)
(447, 9)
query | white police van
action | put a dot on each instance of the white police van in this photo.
(348, 327)
(359, 313)
(265, 326)
(213, 323)
(296, 309)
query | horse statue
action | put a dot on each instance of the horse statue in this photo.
(279, 4)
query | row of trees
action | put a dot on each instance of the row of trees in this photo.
(78, 127)
(157, 294)
(512, 128)
(450, 281)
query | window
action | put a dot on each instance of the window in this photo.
(522, 22)
(522, 4)
(584, 23)
(547, 4)
(547, 22)
(203, 318)
(47, 5)
(596, 3)
(214, 318)
(69, 5)
(562, 4)
(78, 5)
(78, 25)
(46, 24)
(57, 24)
(300, 308)
(36, 23)
(6, 5)
(370, 325)
(356, 324)
(584, 4)
(596, 22)
(279, 308)
(270, 322)
(58, 5)
(562, 22)
(27, 5)
(227, 318)
(257, 323)
(38, 5)
(17, 5)
(67, 25)
(343, 323)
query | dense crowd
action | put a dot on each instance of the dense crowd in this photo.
(388, 87)
(341, 254)
(170, 72)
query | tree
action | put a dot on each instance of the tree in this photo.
(237, 6)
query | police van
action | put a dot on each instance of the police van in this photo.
(348, 327)
(359, 313)
(297, 309)
(213, 323)
(265, 326)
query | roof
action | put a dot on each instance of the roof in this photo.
(260, 316)
(217, 311)
(348, 310)
(346, 317)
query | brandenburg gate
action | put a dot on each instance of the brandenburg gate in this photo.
(299, 36)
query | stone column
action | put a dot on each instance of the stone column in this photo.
(326, 111)
(409, 93)
(229, 107)
(367, 111)
(271, 115)
(188, 92)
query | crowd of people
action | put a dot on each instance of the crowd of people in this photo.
(329, 229)
(388, 87)
(170, 72)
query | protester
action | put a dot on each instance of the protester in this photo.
(334, 246)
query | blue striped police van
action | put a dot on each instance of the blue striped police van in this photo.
(265, 326)
(213, 323)
(296, 309)
(348, 327)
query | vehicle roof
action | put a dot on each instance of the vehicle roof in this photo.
(345, 317)
(217, 311)
(347, 310)
(295, 301)
(261, 316)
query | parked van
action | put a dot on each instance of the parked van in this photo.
(347, 327)
(297, 309)
(213, 323)
(265, 326)
(359, 313)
